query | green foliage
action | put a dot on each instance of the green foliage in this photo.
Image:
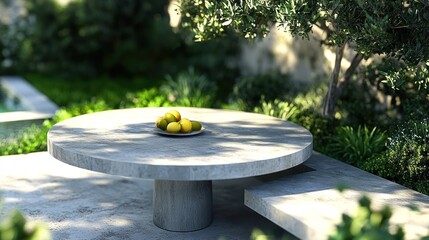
(418, 75)
(380, 165)
(16, 227)
(190, 89)
(388, 27)
(409, 152)
(359, 105)
(369, 224)
(107, 38)
(311, 100)
(67, 91)
(302, 109)
(309, 104)
(30, 139)
(356, 145)
(408, 92)
(250, 90)
(258, 234)
(146, 98)
(277, 108)
(209, 19)
(406, 159)
(34, 138)
(93, 37)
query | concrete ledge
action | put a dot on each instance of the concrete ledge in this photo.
(309, 206)
(36, 105)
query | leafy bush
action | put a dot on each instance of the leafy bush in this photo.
(369, 224)
(146, 98)
(416, 107)
(356, 145)
(359, 105)
(410, 150)
(277, 108)
(16, 227)
(30, 139)
(249, 90)
(302, 110)
(92, 37)
(107, 37)
(190, 89)
(311, 100)
(406, 159)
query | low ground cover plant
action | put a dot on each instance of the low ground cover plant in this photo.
(406, 158)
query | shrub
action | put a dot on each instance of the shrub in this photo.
(30, 139)
(406, 159)
(380, 165)
(408, 150)
(416, 107)
(359, 105)
(356, 145)
(249, 90)
(311, 100)
(190, 89)
(146, 98)
(277, 108)
(92, 37)
(301, 111)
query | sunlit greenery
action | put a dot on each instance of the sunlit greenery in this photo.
(16, 227)
(90, 56)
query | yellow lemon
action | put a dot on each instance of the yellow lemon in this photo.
(186, 125)
(176, 114)
(170, 118)
(196, 126)
(173, 127)
(163, 124)
(158, 121)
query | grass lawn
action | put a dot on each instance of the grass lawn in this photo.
(65, 92)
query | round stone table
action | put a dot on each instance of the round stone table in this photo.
(234, 145)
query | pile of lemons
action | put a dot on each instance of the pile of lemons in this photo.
(173, 122)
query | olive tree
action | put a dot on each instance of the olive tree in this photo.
(395, 28)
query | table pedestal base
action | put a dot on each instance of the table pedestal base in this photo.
(182, 205)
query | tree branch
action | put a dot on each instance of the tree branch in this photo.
(349, 73)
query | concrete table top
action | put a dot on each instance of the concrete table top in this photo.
(234, 145)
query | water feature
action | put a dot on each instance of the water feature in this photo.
(21, 105)
(9, 103)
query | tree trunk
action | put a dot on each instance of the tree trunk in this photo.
(337, 88)
(329, 101)
(349, 73)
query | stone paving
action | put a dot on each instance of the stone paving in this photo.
(80, 204)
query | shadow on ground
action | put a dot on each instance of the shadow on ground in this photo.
(80, 204)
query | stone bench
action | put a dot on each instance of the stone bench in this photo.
(309, 205)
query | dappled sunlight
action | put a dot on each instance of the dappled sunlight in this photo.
(117, 221)
(79, 204)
